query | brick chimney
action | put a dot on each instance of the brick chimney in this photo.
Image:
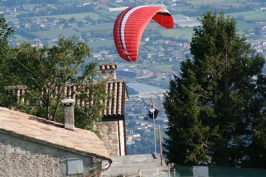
(68, 108)
(108, 70)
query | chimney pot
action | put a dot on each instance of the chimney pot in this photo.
(69, 120)
(108, 70)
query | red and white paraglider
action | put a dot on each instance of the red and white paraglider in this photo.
(130, 24)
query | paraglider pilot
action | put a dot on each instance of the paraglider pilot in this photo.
(153, 112)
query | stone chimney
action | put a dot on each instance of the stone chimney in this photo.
(68, 108)
(108, 70)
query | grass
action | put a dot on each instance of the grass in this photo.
(78, 16)
(55, 33)
(198, 2)
(249, 15)
(95, 44)
(178, 33)
(103, 26)
(150, 48)
(180, 8)
(70, 1)
(20, 38)
(163, 67)
(29, 6)
(244, 25)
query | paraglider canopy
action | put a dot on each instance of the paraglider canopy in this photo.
(130, 25)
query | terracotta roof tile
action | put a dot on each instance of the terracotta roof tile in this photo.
(116, 87)
(48, 132)
(115, 106)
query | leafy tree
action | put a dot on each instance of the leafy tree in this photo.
(72, 20)
(5, 32)
(215, 105)
(80, 24)
(47, 71)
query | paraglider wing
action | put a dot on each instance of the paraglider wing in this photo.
(130, 25)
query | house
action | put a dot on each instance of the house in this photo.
(112, 127)
(33, 146)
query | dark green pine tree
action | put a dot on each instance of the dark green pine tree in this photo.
(215, 106)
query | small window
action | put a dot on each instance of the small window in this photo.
(74, 166)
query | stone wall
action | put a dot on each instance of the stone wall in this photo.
(112, 134)
(23, 157)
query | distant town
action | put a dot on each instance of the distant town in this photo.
(160, 54)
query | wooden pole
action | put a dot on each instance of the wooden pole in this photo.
(160, 142)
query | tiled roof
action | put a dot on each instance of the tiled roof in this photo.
(51, 133)
(115, 106)
(117, 87)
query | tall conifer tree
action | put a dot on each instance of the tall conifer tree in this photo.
(215, 105)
